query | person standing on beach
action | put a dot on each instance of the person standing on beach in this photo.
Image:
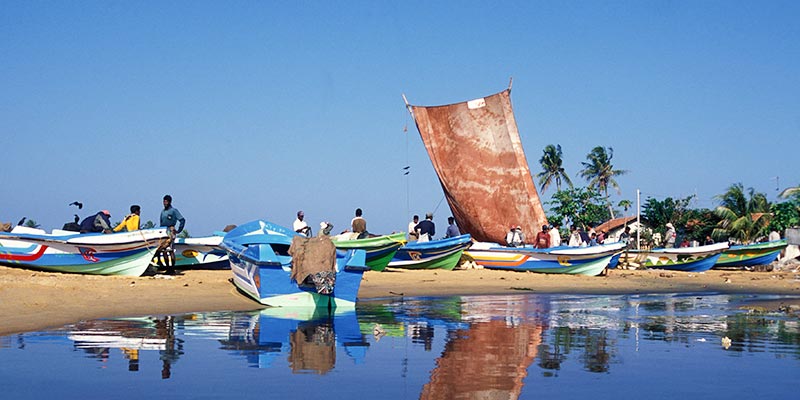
(669, 236)
(515, 237)
(543, 238)
(300, 226)
(625, 236)
(170, 218)
(452, 229)
(413, 234)
(426, 228)
(359, 224)
(555, 235)
(131, 221)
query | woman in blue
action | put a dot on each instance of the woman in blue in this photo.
(171, 219)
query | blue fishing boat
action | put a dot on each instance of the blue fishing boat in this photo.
(751, 254)
(443, 253)
(686, 259)
(123, 253)
(591, 260)
(200, 253)
(259, 256)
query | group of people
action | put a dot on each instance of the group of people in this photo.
(358, 225)
(549, 236)
(423, 231)
(171, 219)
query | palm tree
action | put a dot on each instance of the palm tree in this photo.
(553, 171)
(790, 191)
(625, 204)
(600, 173)
(743, 217)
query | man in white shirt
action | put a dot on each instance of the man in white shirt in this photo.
(300, 226)
(555, 236)
(413, 234)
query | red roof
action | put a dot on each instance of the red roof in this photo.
(614, 224)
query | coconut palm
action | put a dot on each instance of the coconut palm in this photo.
(744, 217)
(552, 169)
(790, 191)
(600, 173)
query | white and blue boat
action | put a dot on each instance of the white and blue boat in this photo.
(258, 252)
(441, 254)
(591, 260)
(201, 252)
(123, 253)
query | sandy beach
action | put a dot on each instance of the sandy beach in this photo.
(35, 300)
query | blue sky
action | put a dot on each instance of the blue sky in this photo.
(244, 110)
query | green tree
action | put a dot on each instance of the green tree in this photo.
(149, 224)
(625, 204)
(578, 206)
(184, 234)
(600, 173)
(657, 213)
(552, 168)
(743, 217)
(784, 215)
(31, 224)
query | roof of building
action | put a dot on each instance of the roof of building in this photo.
(614, 224)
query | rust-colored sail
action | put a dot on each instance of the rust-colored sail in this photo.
(476, 150)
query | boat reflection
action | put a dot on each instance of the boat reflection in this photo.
(307, 337)
(132, 335)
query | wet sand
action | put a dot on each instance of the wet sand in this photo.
(34, 300)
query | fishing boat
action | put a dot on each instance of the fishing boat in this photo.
(591, 260)
(686, 259)
(476, 150)
(258, 253)
(443, 253)
(751, 254)
(123, 253)
(200, 253)
(379, 249)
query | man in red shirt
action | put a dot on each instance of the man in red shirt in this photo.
(542, 238)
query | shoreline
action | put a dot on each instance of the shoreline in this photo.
(35, 300)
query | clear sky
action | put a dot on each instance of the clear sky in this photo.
(244, 110)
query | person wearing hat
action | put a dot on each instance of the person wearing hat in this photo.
(515, 237)
(100, 222)
(300, 226)
(669, 236)
(426, 228)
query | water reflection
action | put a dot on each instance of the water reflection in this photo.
(97, 338)
(455, 347)
(307, 338)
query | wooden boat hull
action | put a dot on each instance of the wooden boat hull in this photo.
(380, 250)
(751, 255)
(261, 266)
(125, 253)
(589, 261)
(686, 259)
(436, 254)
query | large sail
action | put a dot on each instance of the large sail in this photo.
(476, 150)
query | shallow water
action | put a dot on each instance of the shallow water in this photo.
(524, 346)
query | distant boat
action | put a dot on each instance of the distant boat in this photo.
(443, 253)
(687, 259)
(751, 254)
(591, 260)
(380, 249)
(123, 253)
(258, 253)
(200, 253)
